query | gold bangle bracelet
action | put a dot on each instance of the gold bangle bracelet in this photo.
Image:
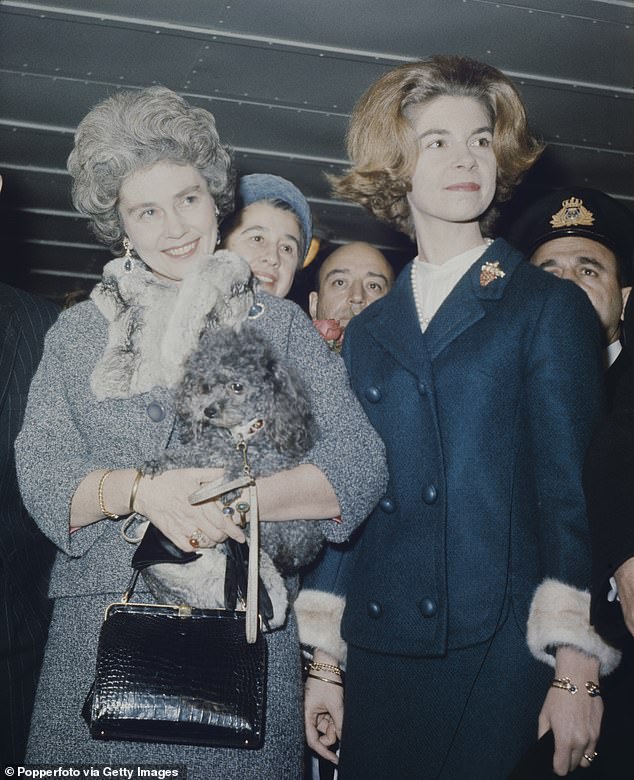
(326, 679)
(318, 666)
(566, 684)
(102, 506)
(135, 487)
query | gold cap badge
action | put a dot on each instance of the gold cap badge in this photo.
(489, 272)
(572, 212)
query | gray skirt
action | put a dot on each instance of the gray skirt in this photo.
(59, 734)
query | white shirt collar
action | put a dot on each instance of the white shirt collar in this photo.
(611, 352)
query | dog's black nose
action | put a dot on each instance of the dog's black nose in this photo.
(210, 411)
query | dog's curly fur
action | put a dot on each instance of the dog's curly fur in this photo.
(229, 380)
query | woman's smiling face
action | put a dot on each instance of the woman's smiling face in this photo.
(169, 217)
(269, 239)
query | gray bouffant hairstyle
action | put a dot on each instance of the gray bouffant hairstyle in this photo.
(134, 129)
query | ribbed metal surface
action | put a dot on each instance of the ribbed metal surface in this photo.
(281, 78)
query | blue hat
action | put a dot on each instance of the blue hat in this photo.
(578, 211)
(266, 186)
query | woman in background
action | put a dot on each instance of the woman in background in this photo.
(271, 229)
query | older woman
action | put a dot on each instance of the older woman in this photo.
(151, 174)
(271, 229)
(470, 369)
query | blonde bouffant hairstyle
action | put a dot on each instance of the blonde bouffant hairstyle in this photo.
(383, 147)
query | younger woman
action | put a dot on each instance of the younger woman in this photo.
(271, 229)
(483, 377)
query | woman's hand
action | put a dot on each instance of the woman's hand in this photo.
(624, 577)
(301, 492)
(575, 719)
(163, 499)
(323, 711)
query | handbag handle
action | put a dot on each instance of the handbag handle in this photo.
(251, 620)
(161, 549)
(213, 491)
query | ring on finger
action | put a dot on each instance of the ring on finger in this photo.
(230, 513)
(199, 539)
(590, 758)
(243, 507)
(240, 520)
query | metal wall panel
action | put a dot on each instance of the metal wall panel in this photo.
(281, 77)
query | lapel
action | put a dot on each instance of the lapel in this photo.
(393, 321)
(8, 348)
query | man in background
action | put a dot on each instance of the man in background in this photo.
(25, 554)
(585, 236)
(349, 279)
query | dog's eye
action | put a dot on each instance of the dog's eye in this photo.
(205, 388)
(236, 387)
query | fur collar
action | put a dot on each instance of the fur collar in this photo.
(154, 324)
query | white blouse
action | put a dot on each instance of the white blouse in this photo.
(431, 284)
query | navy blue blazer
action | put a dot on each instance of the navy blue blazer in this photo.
(486, 418)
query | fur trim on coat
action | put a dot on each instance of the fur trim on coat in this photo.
(155, 324)
(319, 619)
(560, 615)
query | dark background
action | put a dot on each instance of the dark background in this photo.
(281, 77)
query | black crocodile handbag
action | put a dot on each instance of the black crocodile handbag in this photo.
(174, 674)
(177, 674)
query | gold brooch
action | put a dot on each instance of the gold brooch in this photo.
(489, 272)
(572, 212)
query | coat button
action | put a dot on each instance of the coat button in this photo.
(155, 411)
(374, 609)
(373, 394)
(387, 505)
(428, 607)
(430, 494)
(422, 388)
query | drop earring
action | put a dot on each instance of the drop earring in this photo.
(128, 254)
(218, 237)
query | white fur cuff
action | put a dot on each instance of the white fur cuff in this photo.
(319, 620)
(560, 615)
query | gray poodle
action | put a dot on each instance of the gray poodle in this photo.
(234, 384)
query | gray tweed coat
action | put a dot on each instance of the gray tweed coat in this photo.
(68, 433)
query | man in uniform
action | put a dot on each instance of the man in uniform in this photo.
(585, 236)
